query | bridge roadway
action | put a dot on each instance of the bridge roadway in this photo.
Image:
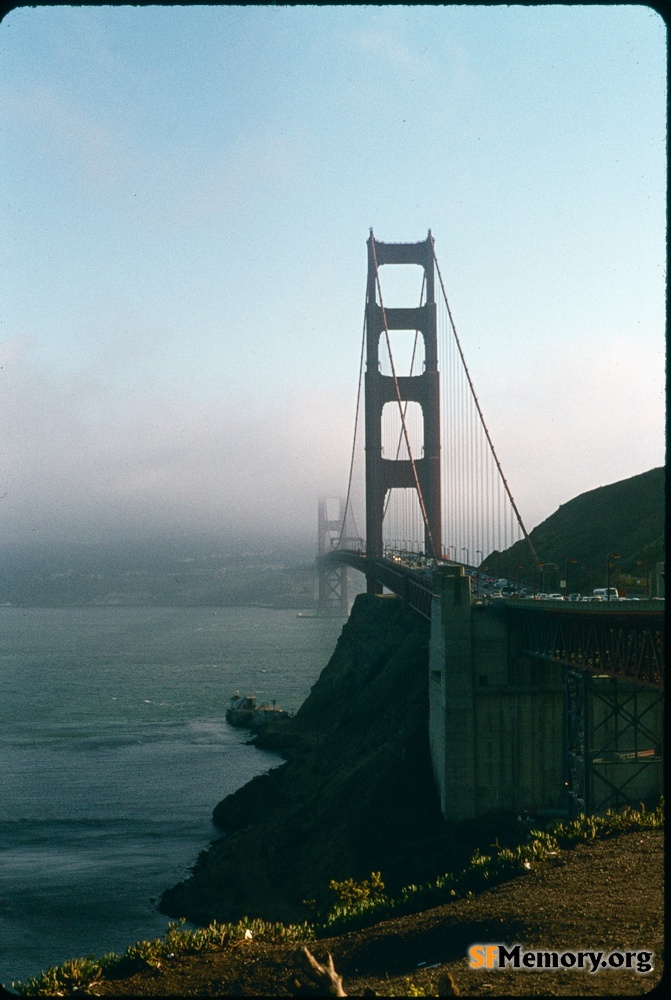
(616, 639)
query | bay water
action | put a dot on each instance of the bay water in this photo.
(114, 750)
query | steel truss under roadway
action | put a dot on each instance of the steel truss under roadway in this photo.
(613, 733)
(614, 664)
(623, 644)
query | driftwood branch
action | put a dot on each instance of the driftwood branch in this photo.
(329, 983)
(324, 977)
(447, 986)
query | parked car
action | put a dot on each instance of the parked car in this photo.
(555, 597)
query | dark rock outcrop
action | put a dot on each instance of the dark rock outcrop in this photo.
(355, 795)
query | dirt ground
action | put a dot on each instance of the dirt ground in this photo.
(604, 896)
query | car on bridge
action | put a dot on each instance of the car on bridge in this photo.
(606, 593)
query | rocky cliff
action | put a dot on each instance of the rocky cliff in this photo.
(354, 795)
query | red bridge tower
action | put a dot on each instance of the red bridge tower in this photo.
(385, 474)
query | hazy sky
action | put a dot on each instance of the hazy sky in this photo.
(186, 198)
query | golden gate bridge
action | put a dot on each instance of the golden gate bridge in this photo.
(427, 483)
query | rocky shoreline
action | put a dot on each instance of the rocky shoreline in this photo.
(354, 795)
(356, 791)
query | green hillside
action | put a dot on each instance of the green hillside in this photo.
(626, 518)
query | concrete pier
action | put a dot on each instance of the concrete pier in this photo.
(498, 719)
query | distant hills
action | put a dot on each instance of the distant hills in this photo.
(156, 575)
(626, 519)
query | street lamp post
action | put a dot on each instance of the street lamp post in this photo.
(540, 566)
(588, 569)
(449, 548)
(477, 572)
(611, 555)
(644, 564)
(467, 559)
(553, 575)
(566, 575)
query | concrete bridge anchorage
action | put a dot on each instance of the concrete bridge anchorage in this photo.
(542, 707)
(543, 728)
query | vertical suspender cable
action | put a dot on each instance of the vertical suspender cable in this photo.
(462, 463)
(356, 424)
(482, 419)
(471, 477)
